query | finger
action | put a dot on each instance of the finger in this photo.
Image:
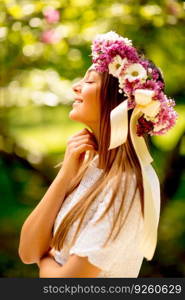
(82, 137)
(87, 138)
(81, 132)
(76, 146)
(82, 148)
(83, 140)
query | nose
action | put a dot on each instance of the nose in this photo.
(76, 87)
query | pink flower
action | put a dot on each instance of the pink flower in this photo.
(104, 51)
(51, 15)
(50, 36)
(144, 63)
(166, 118)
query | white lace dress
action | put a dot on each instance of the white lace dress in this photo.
(120, 258)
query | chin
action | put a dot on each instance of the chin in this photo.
(74, 116)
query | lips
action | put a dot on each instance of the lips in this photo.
(77, 100)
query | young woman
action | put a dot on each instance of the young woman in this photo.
(99, 217)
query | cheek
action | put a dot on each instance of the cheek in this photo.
(90, 109)
(89, 94)
(90, 98)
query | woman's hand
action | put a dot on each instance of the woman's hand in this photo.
(77, 145)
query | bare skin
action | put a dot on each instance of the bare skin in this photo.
(88, 112)
(77, 145)
(37, 229)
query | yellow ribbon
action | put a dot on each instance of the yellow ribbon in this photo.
(151, 184)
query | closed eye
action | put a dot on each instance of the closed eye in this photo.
(89, 81)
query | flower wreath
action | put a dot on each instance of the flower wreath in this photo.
(137, 80)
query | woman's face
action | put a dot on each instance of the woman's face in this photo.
(87, 90)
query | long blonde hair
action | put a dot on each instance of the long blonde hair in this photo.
(118, 162)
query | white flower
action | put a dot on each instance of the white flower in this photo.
(152, 109)
(95, 55)
(149, 107)
(143, 97)
(159, 127)
(135, 71)
(127, 41)
(116, 65)
(113, 36)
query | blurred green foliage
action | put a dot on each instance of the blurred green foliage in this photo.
(40, 60)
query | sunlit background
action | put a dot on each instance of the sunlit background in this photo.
(44, 49)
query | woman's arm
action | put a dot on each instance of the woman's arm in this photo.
(36, 231)
(75, 267)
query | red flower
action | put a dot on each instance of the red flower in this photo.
(144, 126)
